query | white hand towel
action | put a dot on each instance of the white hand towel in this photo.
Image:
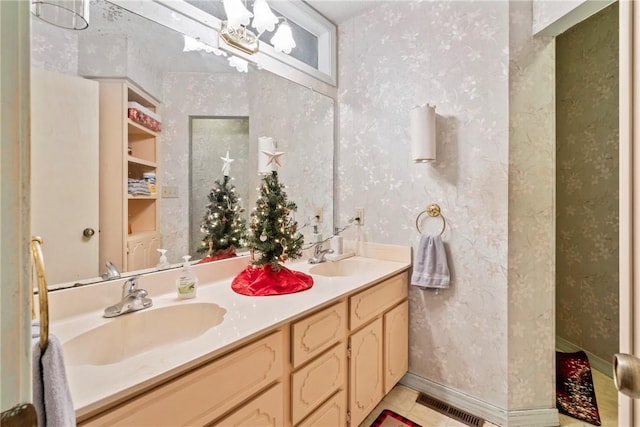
(51, 395)
(430, 269)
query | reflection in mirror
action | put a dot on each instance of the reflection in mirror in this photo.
(119, 44)
(211, 139)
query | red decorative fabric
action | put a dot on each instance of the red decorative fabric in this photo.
(263, 280)
(223, 254)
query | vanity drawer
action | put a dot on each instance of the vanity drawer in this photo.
(266, 410)
(316, 333)
(205, 393)
(313, 384)
(333, 413)
(369, 303)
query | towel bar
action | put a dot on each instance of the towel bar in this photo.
(433, 210)
(43, 300)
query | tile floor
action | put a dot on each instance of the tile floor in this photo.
(402, 400)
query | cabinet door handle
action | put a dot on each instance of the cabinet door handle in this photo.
(88, 232)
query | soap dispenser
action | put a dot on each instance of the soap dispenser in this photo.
(163, 263)
(187, 282)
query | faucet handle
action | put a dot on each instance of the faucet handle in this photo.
(130, 286)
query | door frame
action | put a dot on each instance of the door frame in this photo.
(15, 292)
(629, 236)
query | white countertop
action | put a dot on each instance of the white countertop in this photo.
(94, 386)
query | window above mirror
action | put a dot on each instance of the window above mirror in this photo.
(311, 63)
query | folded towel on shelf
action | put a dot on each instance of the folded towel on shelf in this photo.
(51, 395)
(138, 187)
(430, 269)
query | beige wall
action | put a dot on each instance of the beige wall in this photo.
(531, 274)
(587, 184)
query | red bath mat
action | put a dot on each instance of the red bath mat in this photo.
(388, 418)
(575, 394)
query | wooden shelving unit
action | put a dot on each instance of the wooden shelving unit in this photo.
(129, 224)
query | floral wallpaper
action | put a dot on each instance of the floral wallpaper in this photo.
(587, 176)
(491, 335)
(301, 121)
(53, 49)
(454, 55)
(531, 273)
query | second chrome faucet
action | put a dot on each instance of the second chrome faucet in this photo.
(133, 299)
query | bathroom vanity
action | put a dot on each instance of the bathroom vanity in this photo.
(325, 356)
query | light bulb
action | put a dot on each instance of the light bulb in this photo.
(283, 40)
(263, 17)
(237, 14)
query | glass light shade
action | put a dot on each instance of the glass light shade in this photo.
(423, 133)
(263, 17)
(237, 14)
(69, 14)
(240, 64)
(283, 40)
(193, 45)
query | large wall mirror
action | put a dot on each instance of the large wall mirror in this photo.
(197, 91)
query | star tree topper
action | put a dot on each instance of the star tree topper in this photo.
(226, 166)
(274, 159)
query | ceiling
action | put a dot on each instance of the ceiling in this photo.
(339, 11)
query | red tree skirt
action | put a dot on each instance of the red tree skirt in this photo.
(222, 254)
(262, 280)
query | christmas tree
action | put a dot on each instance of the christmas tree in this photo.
(273, 235)
(273, 230)
(223, 225)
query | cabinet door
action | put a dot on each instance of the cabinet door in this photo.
(206, 393)
(152, 246)
(314, 383)
(136, 255)
(396, 345)
(332, 414)
(267, 410)
(365, 371)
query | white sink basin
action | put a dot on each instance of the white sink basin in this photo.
(138, 332)
(345, 267)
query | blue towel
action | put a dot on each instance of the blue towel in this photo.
(51, 395)
(430, 269)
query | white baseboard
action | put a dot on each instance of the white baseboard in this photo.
(602, 365)
(479, 408)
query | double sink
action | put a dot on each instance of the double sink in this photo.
(131, 334)
(107, 359)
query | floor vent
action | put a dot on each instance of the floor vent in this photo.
(450, 411)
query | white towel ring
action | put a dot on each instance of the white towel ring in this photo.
(433, 210)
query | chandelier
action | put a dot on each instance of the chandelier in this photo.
(236, 33)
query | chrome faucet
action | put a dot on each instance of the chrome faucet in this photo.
(319, 253)
(112, 272)
(133, 299)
